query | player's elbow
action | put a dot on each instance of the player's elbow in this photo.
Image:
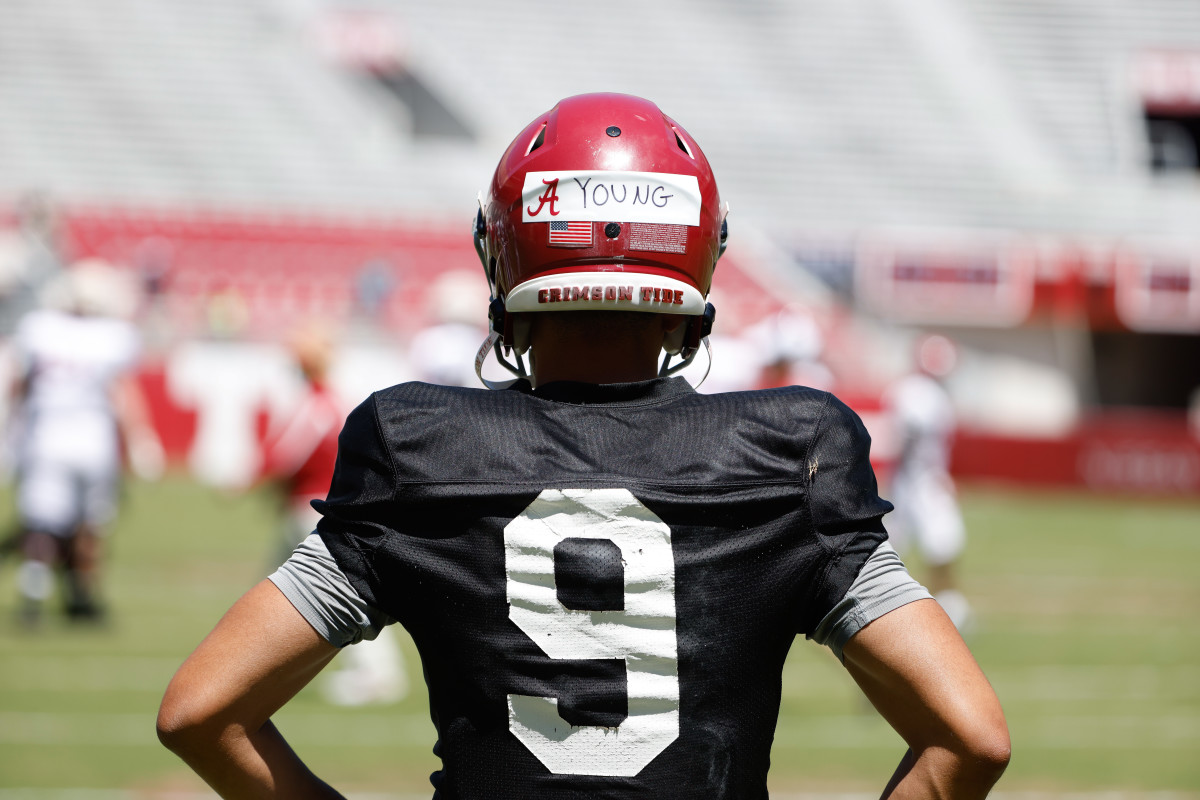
(175, 728)
(994, 754)
(183, 727)
(985, 753)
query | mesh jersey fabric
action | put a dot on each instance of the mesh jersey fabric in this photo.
(772, 509)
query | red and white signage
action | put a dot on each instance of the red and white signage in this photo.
(1156, 287)
(1168, 81)
(361, 39)
(944, 278)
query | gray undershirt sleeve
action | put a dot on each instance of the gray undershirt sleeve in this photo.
(314, 583)
(883, 585)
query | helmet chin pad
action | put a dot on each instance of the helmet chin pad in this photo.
(517, 334)
(675, 338)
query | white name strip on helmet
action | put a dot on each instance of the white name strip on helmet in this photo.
(617, 291)
(601, 196)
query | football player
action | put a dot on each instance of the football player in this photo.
(927, 512)
(301, 443)
(77, 407)
(298, 460)
(603, 570)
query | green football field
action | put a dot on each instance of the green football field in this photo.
(1088, 624)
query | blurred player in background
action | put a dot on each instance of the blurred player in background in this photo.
(792, 347)
(301, 443)
(927, 514)
(76, 407)
(444, 352)
(603, 569)
(298, 459)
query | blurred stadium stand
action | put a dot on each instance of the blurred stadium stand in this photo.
(1023, 175)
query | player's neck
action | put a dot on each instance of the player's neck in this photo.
(589, 348)
(595, 367)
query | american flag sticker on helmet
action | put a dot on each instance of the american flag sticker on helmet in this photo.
(571, 234)
(658, 238)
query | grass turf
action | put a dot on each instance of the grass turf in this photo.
(1086, 622)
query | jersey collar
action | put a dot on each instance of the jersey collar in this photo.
(637, 393)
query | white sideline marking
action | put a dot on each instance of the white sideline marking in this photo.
(1051, 732)
(137, 730)
(1059, 683)
(1040, 682)
(89, 673)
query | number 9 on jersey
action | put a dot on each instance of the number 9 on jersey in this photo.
(642, 631)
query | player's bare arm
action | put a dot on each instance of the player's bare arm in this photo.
(216, 714)
(917, 671)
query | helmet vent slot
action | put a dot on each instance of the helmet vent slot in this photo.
(538, 140)
(682, 144)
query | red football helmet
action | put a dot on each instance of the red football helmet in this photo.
(602, 203)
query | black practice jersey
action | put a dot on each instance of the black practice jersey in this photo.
(603, 581)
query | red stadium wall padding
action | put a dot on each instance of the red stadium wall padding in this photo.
(176, 425)
(1135, 451)
(1141, 452)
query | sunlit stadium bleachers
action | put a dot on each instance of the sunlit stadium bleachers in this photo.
(818, 116)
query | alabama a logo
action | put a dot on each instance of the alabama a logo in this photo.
(549, 197)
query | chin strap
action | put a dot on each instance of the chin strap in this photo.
(492, 344)
(666, 371)
(695, 334)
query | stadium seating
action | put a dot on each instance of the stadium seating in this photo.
(818, 116)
